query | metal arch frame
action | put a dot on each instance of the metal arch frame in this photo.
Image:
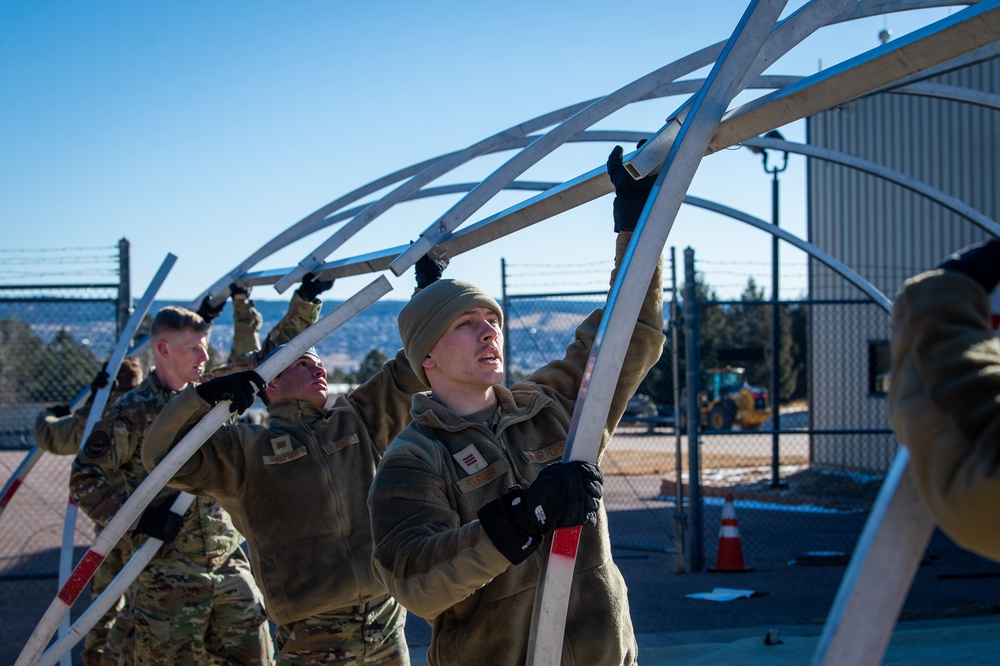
(951, 93)
(315, 220)
(956, 35)
(521, 215)
(320, 218)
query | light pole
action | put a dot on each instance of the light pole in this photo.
(775, 314)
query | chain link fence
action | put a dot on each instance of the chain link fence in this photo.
(802, 483)
(53, 340)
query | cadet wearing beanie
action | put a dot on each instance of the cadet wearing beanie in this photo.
(428, 314)
(466, 493)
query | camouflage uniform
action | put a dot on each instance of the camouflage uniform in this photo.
(298, 491)
(196, 600)
(246, 328)
(61, 435)
(300, 315)
(372, 635)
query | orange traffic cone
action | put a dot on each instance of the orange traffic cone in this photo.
(730, 555)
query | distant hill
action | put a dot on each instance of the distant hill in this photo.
(538, 329)
(345, 348)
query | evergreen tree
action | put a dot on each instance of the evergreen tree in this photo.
(23, 357)
(370, 366)
(798, 321)
(70, 368)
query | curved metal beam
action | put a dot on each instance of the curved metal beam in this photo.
(432, 171)
(318, 219)
(955, 205)
(839, 267)
(951, 93)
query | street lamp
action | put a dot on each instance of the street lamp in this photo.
(775, 318)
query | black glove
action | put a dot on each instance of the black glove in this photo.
(311, 287)
(428, 270)
(235, 289)
(981, 262)
(239, 387)
(60, 411)
(630, 194)
(100, 380)
(159, 522)
(209, 312)
(563, 495)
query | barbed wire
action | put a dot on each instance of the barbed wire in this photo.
(70, 259)
(88, 248)
(31, 264)
(590, 264)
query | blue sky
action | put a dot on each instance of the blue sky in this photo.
(205, 128)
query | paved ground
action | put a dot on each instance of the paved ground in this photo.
(950, 616)
(955, 600)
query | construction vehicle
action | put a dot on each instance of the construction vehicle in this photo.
(727, 398)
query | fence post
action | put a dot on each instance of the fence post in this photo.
(696, 556)
(124, 282)
(680, 516)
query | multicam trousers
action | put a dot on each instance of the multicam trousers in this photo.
(369, 634)
(185, 612)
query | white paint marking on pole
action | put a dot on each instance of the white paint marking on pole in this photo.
(17, 479)
(625, 300)
(162, 473)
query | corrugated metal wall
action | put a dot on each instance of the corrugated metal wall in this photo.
(886, 232)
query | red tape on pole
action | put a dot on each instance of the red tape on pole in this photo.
(78, 578)
(10, 493)
(566, 541)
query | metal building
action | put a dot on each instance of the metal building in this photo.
(941, 133)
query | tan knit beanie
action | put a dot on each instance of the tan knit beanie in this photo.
(431, 311)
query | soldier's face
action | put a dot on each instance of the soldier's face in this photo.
(184, 354)
(470, 353)
(305, 380)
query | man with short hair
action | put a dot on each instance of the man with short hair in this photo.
(297, 490)
(196, 600)
(465, 495)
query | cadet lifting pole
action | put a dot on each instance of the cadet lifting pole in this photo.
(184, 449)
(624, 302)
